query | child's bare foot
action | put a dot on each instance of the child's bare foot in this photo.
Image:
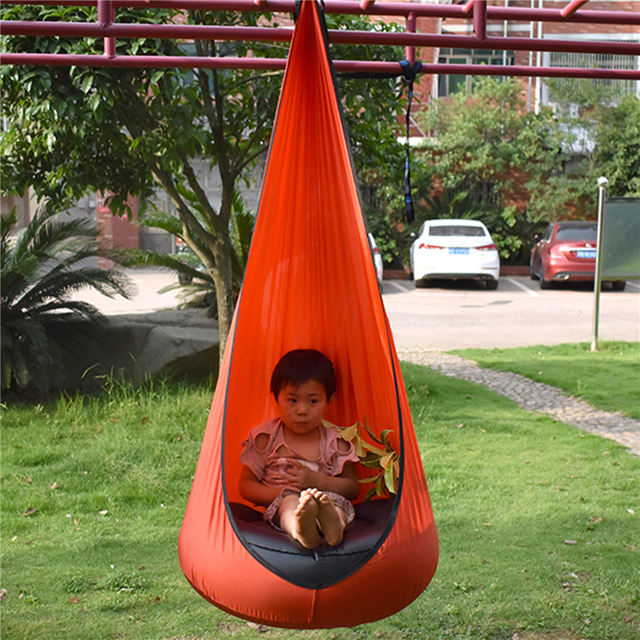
(331, 518)
(304, 525)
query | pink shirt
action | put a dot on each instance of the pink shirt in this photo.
(270, 465)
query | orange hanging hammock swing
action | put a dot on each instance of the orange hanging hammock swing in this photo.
(309, 283)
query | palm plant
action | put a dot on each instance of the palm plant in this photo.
(460, 204)
(41, 267)
(196, 284)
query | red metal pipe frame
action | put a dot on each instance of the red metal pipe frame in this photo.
(410, 51)
(572, 7)
(480, 19)
(346, 7)
(204, 32)
(109, 30)
(341, 66)
(468, 6)
(106, 16)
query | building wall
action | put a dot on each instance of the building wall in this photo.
(555, 30)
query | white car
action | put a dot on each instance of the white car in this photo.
(455, 249)
(377, 258)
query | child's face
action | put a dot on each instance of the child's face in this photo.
(302, 408)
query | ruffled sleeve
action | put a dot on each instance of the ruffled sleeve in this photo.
(250, 456)
(336, 458)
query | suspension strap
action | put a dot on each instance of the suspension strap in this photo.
(409, 71)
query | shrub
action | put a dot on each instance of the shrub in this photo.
(42, 266)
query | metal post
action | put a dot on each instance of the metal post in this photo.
(531, 33)
(106, 15)
(597, 279)
(480, 19)
(572, 7)
(410, 51)
(538, 94)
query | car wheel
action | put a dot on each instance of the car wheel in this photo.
(532, 273)
(491, 285)
(423, 284)
(618, 285)
(545, 284)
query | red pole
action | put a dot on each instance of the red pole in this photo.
(468, 7)
(341, 66)
(205, 32)
(410, 51)
(480, 19)
(106, 16)
(572, 7)
(523, 14)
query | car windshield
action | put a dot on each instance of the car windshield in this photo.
(577, 233)
(456, 230)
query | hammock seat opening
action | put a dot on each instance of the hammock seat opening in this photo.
(325, 565)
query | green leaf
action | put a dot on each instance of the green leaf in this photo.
(372, 492)
(94, 101)
(87, 82)
(386, 461)
(389, 479)
(380, 486)
(347, 433)
(375, 450)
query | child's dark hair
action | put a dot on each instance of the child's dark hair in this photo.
(301, 365)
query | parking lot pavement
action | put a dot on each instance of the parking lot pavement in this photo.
(148, 281)
(458, 315)
(454, 315)
(508, 284)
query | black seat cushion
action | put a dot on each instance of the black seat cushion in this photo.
(320, 567)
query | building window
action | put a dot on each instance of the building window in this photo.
(619, 88)
(449, 84)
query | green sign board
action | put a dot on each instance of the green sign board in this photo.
(620, 250)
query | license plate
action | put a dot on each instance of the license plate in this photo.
(590, 253)
(459, 251)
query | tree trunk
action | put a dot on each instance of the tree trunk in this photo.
(222, 273)
(222, 278)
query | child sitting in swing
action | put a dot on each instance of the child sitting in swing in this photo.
(300, 470)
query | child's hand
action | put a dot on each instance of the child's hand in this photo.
(300, 476)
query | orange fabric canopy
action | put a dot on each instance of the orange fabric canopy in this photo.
(309, 283)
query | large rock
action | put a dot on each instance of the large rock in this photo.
(172, 343)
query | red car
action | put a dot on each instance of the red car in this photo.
(567, 252)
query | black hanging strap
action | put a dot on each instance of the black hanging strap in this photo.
(409, 71)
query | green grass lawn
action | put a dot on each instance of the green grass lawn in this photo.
(608, 379)
(538, 522)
